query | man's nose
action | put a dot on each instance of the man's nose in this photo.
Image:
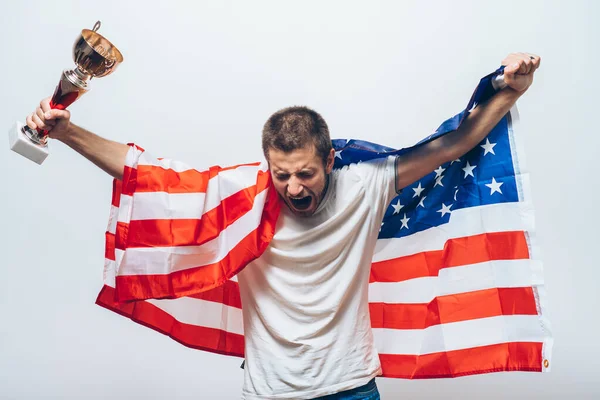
(294, 187)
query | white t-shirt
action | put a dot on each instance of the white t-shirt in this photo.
(305, 300)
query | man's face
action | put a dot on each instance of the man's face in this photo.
(300, 178)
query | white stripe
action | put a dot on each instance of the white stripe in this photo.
(463, 222)
(230, 182)
(124, 212)
(132, 157)
(177, 166)
(109, 272)
(164, 260)
(203, 313)
(162, 205)
(459, 335)
(112, 219)
(165, 163)
(119, 254)
(468, 278)
(110, 268)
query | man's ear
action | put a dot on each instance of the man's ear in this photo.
(330, 161)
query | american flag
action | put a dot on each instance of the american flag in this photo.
(456, 285)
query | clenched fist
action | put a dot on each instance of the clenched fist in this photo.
(519, 69)
(55, 121)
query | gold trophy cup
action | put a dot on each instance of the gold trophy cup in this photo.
(94, 56)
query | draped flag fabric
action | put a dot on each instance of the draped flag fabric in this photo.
(456, 285)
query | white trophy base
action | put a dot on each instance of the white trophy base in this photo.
(19, 143)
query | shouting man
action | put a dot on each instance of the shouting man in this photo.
(306, 316)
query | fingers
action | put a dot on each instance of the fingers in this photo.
(521, 63)
(41, 115)
(45, 104)
(525, 64)
(45, 117)
(511, 69)
(30, 122)
(515, 67)
(536, 60)
(39, 122)
(55, 114)
(41, 119)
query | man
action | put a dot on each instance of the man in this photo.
(306, 316)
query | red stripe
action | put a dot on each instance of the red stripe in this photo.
(454, 308)
(515, 356)
(194, 336)
(116, 193)
(190, 232)
(109, 248)
(129, 181)
(461, 251)
(206, 277)
(228, 294)
(152, 178)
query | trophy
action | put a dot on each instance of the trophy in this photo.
(94, 56)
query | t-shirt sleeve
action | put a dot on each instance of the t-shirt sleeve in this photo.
(379, 177)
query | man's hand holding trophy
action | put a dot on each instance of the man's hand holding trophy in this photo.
(94, 57)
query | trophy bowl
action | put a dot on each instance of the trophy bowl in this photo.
(94, 54)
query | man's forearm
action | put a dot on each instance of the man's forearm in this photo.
(453, 145)
(106, 154)
(518, 76)
(479, 123)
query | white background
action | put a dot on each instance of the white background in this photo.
(198, 81)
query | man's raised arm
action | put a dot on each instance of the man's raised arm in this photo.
(518, 75)
(106, 154)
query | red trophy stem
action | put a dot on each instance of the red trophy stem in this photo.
(64, 95)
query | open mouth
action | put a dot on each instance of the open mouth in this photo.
(301, 203)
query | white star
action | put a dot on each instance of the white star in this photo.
(455, 193)
(453, 161)
(472, 108)
(469, 170)
(438, 181)
(404, 222)
(488, 147)
(445, 209)
(421, 202)
(338, 154)
(381, 226)
(439, 171)
(397, 207)
(418, 190)
(495, 186)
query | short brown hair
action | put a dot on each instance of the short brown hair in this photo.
(294, 128)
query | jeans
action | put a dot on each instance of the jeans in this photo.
(365, 392)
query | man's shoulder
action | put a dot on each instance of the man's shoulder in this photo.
(381, 162)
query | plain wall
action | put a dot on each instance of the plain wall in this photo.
(198, 81)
